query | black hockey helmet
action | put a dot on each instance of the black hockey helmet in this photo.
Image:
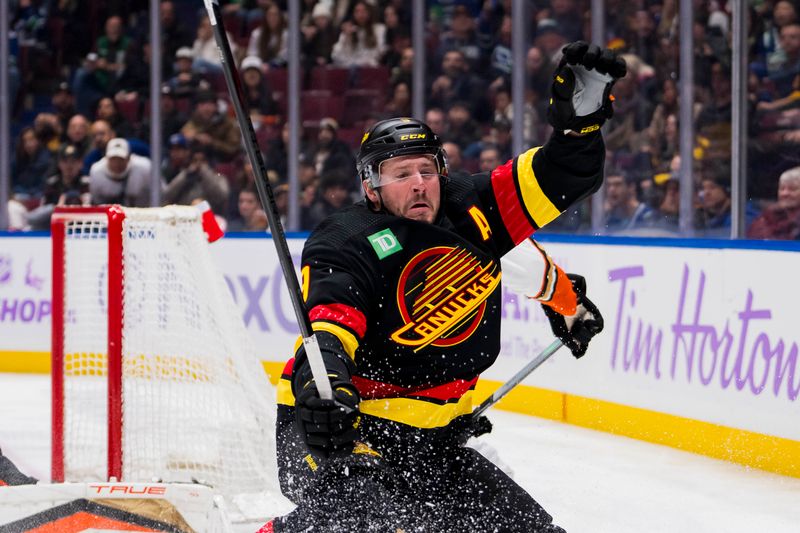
(395, 137)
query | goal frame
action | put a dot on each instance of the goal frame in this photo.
(115, 217)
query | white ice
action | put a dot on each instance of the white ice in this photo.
(591, 482)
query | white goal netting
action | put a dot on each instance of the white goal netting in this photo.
(196, 403)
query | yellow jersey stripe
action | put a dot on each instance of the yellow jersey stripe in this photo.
(417, 413)
(348, 340)
(536, 203)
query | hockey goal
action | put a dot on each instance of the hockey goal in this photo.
(154, 376)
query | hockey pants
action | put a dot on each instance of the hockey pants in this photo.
(451, 491)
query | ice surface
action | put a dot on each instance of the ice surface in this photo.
(591, 482)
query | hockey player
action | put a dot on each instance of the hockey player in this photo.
(403, 292)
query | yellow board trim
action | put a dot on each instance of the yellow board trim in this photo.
(748, 448)
(756, 450)
(536, 202)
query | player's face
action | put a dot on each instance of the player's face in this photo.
(411, 190)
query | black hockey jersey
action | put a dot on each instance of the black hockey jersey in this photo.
(415, 307)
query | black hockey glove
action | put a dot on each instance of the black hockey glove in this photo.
(328, 426)
(581, 92)
(577, 330)
(467, 426)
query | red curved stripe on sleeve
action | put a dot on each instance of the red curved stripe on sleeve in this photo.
(341, 314)
(505, 194)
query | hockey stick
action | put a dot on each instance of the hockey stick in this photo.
(267, 199)
(517, 378)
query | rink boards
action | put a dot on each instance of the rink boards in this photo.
(699, 352)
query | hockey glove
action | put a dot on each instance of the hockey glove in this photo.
(577, 330)
(581, 92)
(328, 426)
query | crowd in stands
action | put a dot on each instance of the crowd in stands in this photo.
(81, 117)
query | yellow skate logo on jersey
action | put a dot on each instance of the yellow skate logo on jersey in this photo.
(442, 296)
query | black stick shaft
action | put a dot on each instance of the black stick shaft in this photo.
(518, 377)
(267, 199)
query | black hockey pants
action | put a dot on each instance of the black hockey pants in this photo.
(450, 490)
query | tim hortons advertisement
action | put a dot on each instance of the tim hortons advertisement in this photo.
(707, 334)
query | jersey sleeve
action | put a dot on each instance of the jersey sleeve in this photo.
(336, 292)
(535, 187)
(528, 270)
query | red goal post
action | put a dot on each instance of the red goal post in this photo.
(154, 376)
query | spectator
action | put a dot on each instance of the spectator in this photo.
(714, 217)
(331, 154)
(250, 215)
(436, 120)
(458, 84)
(550, 39)
(454, 161)
(632, 112)
(63, 103)
(362, 41)
(120, 177)
(400, 103)
(211, 129)
(501, 59)
(78, 135)
(461, 127)
(276, 158)
(334, 193)
(784, 64)
(500, 137)
(67, 187)
(567, 15)
(403, 71)
(108, 111)
(489, 158)
(177, 158)
(257, 94)
(48, 130)
(398, 37)
(102, 132)
(462, 37)
(186, 82)
(624, 211)
(87, 85)
(204, 48)
(32, 162)
(134, 80)
(714, 120)
(174, 34)
(111, 48)
(538, 72)
(781, 220)
(269, 40)
(319, 37)
(198, 182)
(172, 118)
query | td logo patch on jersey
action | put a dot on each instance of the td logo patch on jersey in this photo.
(442, 296)
(384, 243)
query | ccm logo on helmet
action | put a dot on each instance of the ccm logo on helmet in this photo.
(412, 136)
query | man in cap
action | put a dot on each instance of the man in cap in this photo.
(120, 177)
(68, 186)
